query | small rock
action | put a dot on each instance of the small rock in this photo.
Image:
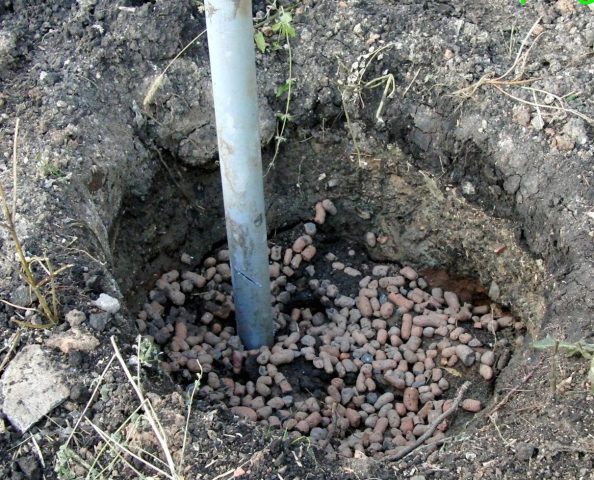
(98, 321)
(344, 302)
(364, 306)
(309, 253)
(239, 472)
(21, 296)
(302, 426)
(186, 259)
(452, 300)
(525, 451)
(310, 228)
(31, 387)
(563, 143)
(176, 297)
(107, 303)
(521, 115)
(383, 399)
(370, 239)
(347, 394)
(353, 417)
(505, 322)
(387, 310)
(194, 366)
(299, 245)
(465, 354)
(29, 465)
(223, 255)
(494, 291)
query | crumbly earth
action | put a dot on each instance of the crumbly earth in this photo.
(477, 171)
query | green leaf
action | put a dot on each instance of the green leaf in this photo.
(284, 25)
(285, 117)
(260, 41)
(581, 348)
(284, 88)
(547, 342)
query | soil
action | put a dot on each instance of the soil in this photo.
(473, 185)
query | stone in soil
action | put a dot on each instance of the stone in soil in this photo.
(107, 303)
(31, 387)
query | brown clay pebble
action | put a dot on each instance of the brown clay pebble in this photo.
(406, 326)
(282, 357)
(452, 300)
(353, 417)
(401, 301)
(245, 412)
(380, 349)
(328, 205)
(364, 306)
(486, 371)
(320, 216)
(409, 273)
(471, 405)
(488, 358)
(308, 253)
(411, 399)
(387, 310)
(299, 245)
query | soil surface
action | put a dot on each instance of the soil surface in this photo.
(471, 161)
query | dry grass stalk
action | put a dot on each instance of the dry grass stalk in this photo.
(502, 81)
(51, 313)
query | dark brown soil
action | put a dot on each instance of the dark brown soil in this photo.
(472, 186)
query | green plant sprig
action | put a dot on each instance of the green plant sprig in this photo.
(285, 31)
(577, 349)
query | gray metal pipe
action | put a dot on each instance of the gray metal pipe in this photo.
(233, 70)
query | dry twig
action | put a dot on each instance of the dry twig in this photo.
(505, 399)
(408, 449)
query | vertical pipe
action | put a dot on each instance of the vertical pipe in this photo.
(233, 70)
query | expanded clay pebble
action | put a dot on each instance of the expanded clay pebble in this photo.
(320, 216)
(374, 353)
(329, 206)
